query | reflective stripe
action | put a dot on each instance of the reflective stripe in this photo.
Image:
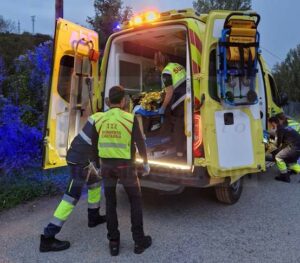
(88, 129)
(181, 99)
(63, 210)
(113, 145)
(281, 165)
(70, 186)
(95, 185)
(57, 222)
(91, 121)
(93, 206)
(295, 125)
(85, 137)
(70, 199)
(94, 195)
(295, 167)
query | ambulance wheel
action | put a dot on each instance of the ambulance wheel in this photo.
(229, 194)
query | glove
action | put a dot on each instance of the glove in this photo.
(146, 169)
(94, 171)
(161, 111)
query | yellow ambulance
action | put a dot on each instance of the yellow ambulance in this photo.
(229, 94)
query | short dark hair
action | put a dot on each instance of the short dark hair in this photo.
(274, 119)
(116, 94)
(281, 116)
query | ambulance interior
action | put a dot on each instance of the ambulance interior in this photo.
(131, 64)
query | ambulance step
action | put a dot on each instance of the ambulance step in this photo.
(162, 186)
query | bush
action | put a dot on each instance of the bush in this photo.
(27, 86)
(21, 145)
(32, 183)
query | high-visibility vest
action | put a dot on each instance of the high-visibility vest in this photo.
(115, 128)
(295, 125)
(177, 72)
(178, 77)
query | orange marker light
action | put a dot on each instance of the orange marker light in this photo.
(151, 16)
(137, 20)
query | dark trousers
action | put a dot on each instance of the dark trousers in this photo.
(78, 178)
(112, 171)
(285, 156)
(178, 128)
(288, 154)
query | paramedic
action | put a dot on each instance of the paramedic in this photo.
(286, 121)
(288, 144)
(173, 77)
(80, 158)
(119, 132)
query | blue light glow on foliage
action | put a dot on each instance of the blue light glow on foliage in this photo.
(21, 143)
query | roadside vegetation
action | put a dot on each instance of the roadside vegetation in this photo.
(25, 63)
(29, 184)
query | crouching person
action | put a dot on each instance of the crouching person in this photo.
(82, 157)
(288, 152)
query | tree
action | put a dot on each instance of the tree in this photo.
(108, 14)
(6, 25)
(287, 75)
(204, 6)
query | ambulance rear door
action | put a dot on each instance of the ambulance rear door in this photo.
(71, 93)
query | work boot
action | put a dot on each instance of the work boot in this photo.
(283, 178)
(142, 245)
(114, 247)
(94, 217)
(52, 244)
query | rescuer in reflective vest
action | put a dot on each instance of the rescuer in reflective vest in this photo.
(284, 120)
(173, 78)
(294, 124)
(81, 157)
(119, 132)
(288, 153)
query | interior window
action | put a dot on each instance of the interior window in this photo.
(130, 75)
(65, 76)
(274, 91)
(212, 82)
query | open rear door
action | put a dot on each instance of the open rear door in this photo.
(73, 84)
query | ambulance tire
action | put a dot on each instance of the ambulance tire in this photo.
(229, 194)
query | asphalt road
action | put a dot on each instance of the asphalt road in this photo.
(264, 226)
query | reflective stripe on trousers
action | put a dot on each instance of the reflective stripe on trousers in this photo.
(63, 210)
(94, 195)
(73, 193)
(295, 167)
(281, 165)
